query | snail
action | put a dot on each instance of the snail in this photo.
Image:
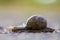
(35, 23)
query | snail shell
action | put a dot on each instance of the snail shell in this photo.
(36, 23)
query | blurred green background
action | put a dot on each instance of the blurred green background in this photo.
(14, 12)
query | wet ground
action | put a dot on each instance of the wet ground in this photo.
(30, 36)
(8, 35)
